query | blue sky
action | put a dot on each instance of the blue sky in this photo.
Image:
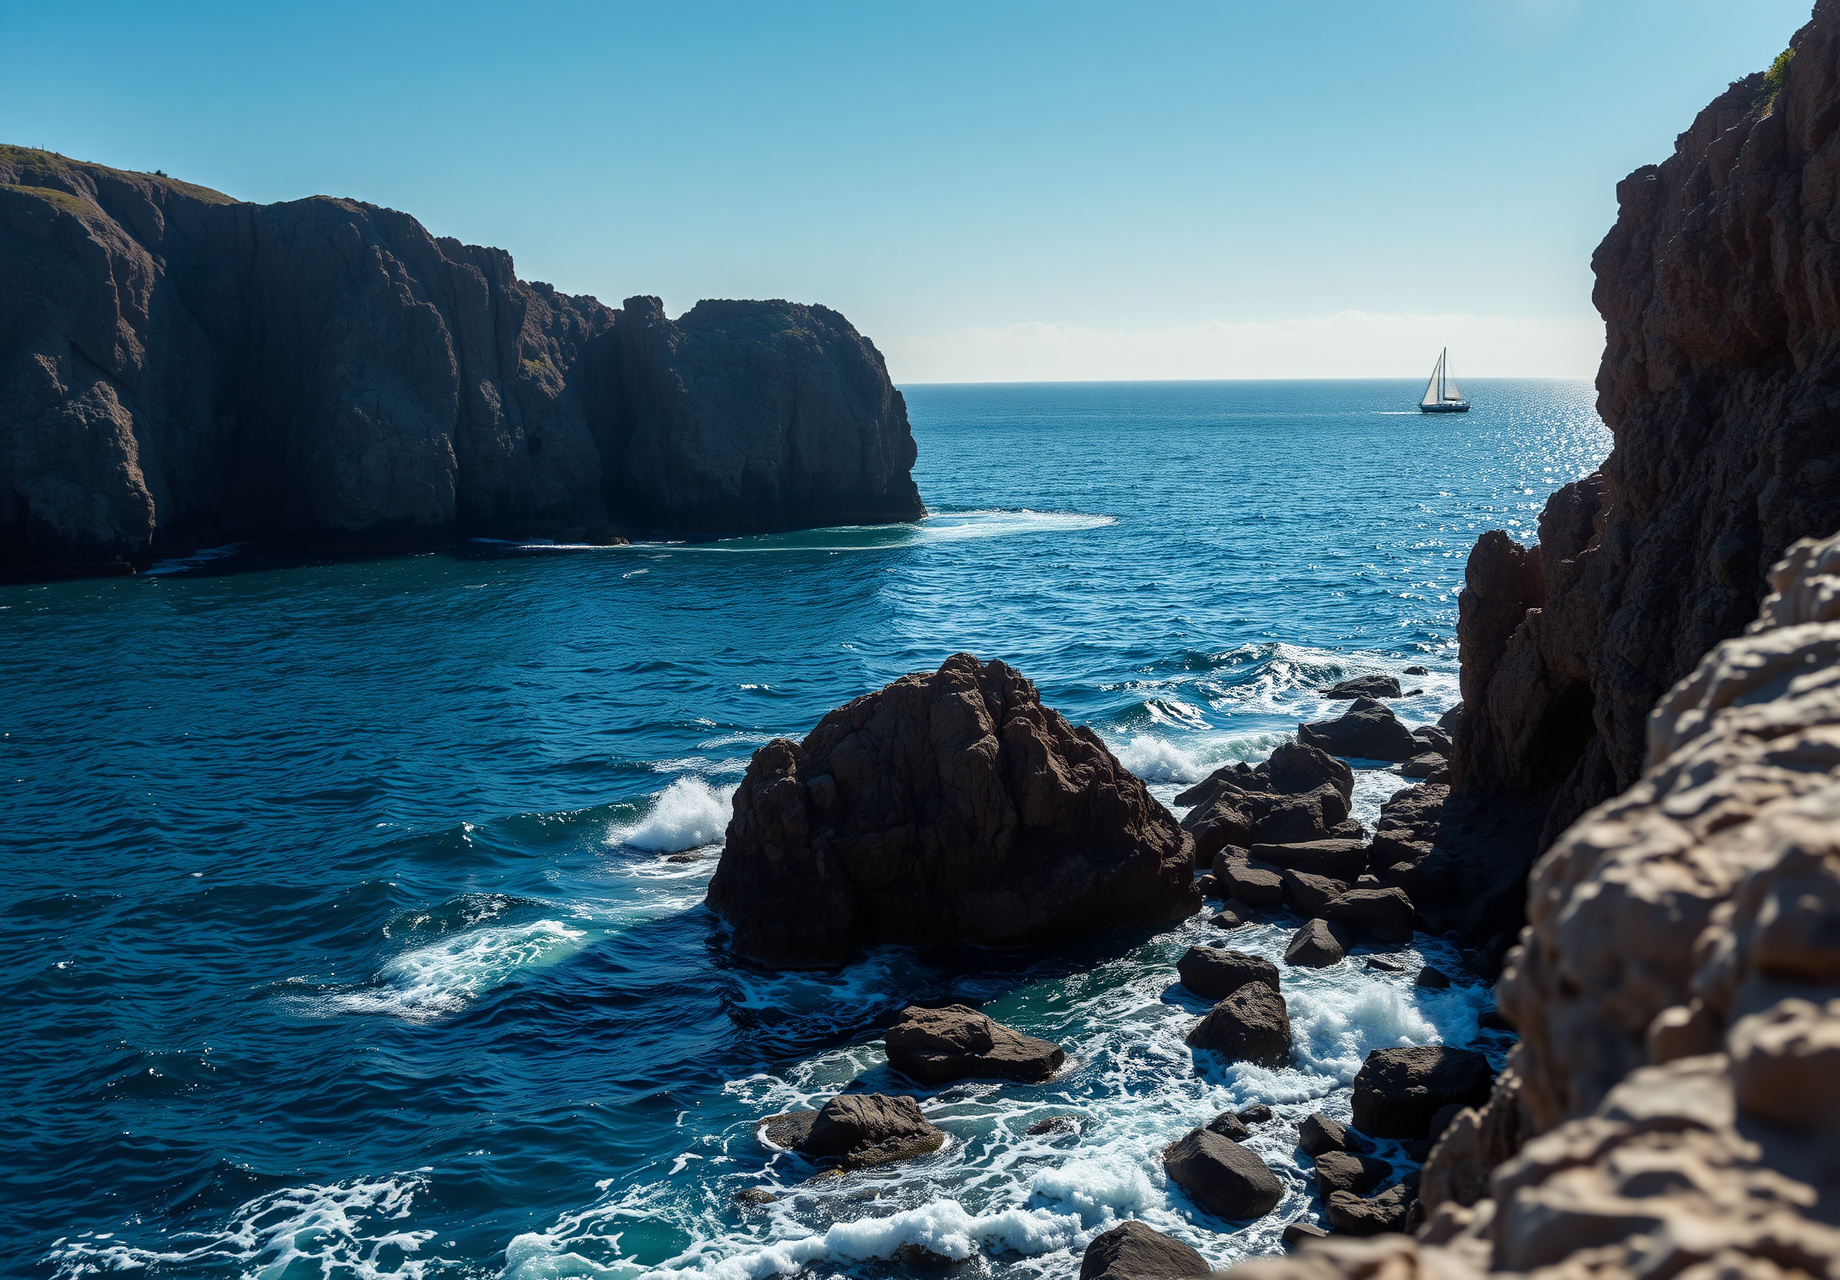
(990, 191)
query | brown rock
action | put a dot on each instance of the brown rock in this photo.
(948, 807)
(1346, 1171)
(1132, 1251)
(1214, 973)
(1251, 1025)
(1380, 686)
(1351, 1215)
(1257, 1113)
(1296, 1233)
(1384, 913)
(933, 1046)
(1319, 944)
(1397, 1091)
(1256, 886)
(1221, 1176)
(1229, 1125)
(857, 1130)
(1319, 1134)
(1368, 730)
(1310, 894)
(1335, 858)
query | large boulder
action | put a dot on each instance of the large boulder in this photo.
(1368, 730)
(1351, 1215)
(1319, 944)
(933, 1046)
(1214, 973)
(1318, 1134)
(1336, 858)
(1347, 1171)
(1221, 1176)
(1132, 1251)
(1251, 883)
(1384, 913)
(1309, 894)
(1398, 1091)
(327, 371)
(1251, 1025)
(950, 807)
(857, 1130)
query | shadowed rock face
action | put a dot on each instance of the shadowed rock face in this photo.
(949, 807)
(178, 367)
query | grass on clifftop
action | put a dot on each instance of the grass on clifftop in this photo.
(1774, 79)
(37, 169)
(62, 199)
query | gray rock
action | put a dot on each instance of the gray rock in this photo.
(1398, 1091)
(1319, 944)
(1132, 1251)
(1221, 1176)
(1214, 973)
(933, 1046)
(1251, 1025)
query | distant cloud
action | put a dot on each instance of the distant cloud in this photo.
(1348, 344)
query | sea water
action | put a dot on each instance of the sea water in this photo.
(354, 923)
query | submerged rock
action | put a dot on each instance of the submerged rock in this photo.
(1251, 1025)
(1214, 973)
(933, 1046)
(1368, 730)
(1133, 1251)
(1221, 1176)
(949, 807)
(1398, 1091)
(857, 1130)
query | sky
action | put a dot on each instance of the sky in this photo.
(993, 191)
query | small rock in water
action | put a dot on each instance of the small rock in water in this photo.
(1257, 1113)
(1319, 944)
(1346, 1171)
(1054, 1124)
(1351, 1215)
(755, 1195)
(1226, 919)
(1221, 1176)
(1229, 1125)
(934, 1046)
(1132, 1251)
(1380, 686)
(1251, 1025)
(857, 1130)
(1433, 978)
(1295, 1233)
(1417, 671)
(1423, 765)
(1398, 1091)
(688, 855)
(1318, 1133)
(1214, 973)
(1384, 965)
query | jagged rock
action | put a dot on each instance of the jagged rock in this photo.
(1221, 1176)
(1299, 794)
(1319, 944)
(1214, 973)
(1380, 686)
(1397, 1091)
(1338, 859)
(1433, 978)
(1346, 1171)
(857, 1130)
(948, 807)
(1368, 730)
(1351, 1215)
(1418, 671)
(933, 1046)
(1319, 1133)
(1435, 737)
(1292, 769)
(1385, 913)
(183, 369)
(1257, 1113)
(1470, 1145)
(755, 1196)
(1132, 1251)
(1251, 1025)
(1229, 1125)
(1256, 886)
(1310, 894)
(1461, 860)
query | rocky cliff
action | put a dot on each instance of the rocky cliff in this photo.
(1720, 290)
(179, 368)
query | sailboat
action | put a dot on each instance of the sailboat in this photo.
(1442, 394)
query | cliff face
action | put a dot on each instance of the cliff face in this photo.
(178, 367)
(1720, 290)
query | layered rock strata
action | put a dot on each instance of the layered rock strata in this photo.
(948, 807)
(1671, 1108)
(178, 368)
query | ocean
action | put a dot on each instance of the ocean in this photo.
(354, 920)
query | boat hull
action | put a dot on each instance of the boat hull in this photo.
(1460, 406)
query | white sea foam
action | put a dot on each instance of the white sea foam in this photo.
(352, 1229)
(688, 814)
(433, 981)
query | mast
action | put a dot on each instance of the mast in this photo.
(1442, 357)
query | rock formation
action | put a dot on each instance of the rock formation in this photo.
(857, 1131)
(949, 807)
(1222, 1177)
(1670, 1110)
(1132, 1251)
(178, 368)
(934, 1046)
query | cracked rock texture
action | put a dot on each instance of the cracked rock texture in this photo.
(179, 368)
(948, 807)
(1672, 1108)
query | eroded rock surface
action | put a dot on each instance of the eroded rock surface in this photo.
(949, 807)
(933, 1046)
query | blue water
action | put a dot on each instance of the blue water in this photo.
(354, 921)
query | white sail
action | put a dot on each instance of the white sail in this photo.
(1451, 390)
(1431, 387)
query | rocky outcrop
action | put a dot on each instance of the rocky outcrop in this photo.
(1670, 1109)
(1299, 794)
(935, 1046)
(1368, 730)
(949, 807)
(179, 368)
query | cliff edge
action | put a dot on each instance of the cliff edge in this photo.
(179, 368)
